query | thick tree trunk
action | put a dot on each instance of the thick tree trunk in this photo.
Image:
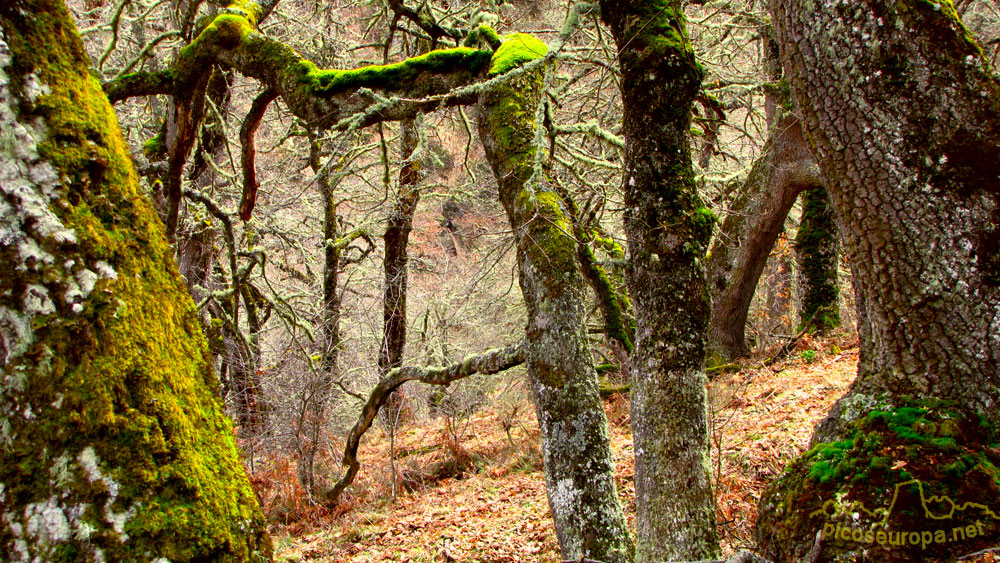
(903, 113)
(114, 444)
(668, 229)
(910, 153)
(817, 251)
(579, 471)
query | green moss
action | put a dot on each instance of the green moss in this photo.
(155, 148)
(704, 221)
(899, 467)
(516, 50)
(329, 82)
(817, 250)
(486, 34)
(123, 389)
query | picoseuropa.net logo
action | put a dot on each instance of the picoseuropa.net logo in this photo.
(923, 538)
(948, 521)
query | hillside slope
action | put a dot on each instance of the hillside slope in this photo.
(490, 506)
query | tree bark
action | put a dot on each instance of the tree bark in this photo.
(757, 217)
(775, 181)
(668, 228)
(903, 113)
(395, 264)
(114, 443)
(906, 133)
(579, 470)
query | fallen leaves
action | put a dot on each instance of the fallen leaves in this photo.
(499, 513)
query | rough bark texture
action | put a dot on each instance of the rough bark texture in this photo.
(906, 127)
(904, 114)
(748, 234)
(817, 251)
(668, 228)
(579, 471)
(114, 446)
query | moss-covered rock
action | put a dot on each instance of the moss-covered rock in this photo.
(912, 481)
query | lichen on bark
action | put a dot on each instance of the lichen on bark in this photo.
(114, 443)
(903, 114)
(323, 98)
(579, 471)
(668, 233)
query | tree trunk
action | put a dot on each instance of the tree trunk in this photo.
(817, 251)
(399, 223)
(668, 228)
(903, 113)
(114, 443)
(579, 471)
(397, 237)
(775, 181)
(750, 230)
(914, 184)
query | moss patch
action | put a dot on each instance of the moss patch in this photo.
(516, 50)
(124, 448)
(922, 467)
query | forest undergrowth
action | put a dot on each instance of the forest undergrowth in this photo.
(481, 498)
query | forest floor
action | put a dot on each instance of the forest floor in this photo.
(483, 499)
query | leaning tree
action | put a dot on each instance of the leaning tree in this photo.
(903, 112)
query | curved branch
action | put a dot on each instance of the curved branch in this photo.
(493, 361)
(323, 98)
(140, 84)
(247, 133)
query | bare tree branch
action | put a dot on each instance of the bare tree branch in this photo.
(493, 361)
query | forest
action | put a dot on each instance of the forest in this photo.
(516, 280)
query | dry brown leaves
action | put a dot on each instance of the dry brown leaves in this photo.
(496, 511)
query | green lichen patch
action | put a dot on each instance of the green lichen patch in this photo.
(923, 469)
(516, 50)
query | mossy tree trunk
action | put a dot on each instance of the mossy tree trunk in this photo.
(579, 471)
(817, 252)
(668, 228)
(903, 112)
(114, 444)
